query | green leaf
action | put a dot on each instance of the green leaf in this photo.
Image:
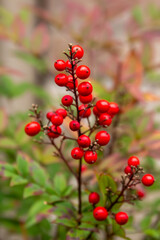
(17, 180)
(118, 230)
(66, 222)
(152, 233)
(145, 223)
(6, 17)
(7, 143)
(3, 120)
(32, 190)
(39, 175)
(137, 14)
(76, 234)
(22, 165)
(60, 183)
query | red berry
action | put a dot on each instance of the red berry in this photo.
(79, 51)
(84, 141)
(113, 108)
(105, 119)
(69, 65)
(74, 125)
(83, 72)
(70, 83)
(67, 100)
(84, 112)
(100, 213)
(49, 115)
(60, 65)
(102, 106)
(94, 197)
(54, 131)
(128, 170)
(133, 161)
(147, 180)
(61, 112)
(77, 153)
(61, 79)
(102, 138)
(83, 168)
(121, 218)
(57, 119)
(140, 194)
(32, 128)
(85, 99)
(90, 157)
(96, 112)
(85, 88)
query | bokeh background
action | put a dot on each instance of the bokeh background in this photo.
(121, 40)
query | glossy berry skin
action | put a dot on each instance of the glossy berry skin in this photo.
(113, 108)
(57, 119)
(96, 112)
(105, 119)
(77, 153)
(102, 138)
(74, 125)
(54, 131)
(69, 66)
(60, 65)
(85, 99)
(140, 194)
(85, 88)
(67, 100)
(83, 112)
(79, 51)
(93, 197)
(70, 83)
(61, 79)
(100, 213)
(84, 141)
(83, 72)
(102, 106)
(61, 112)
(49, 115)
(32, 128)
(148, 180)
(90, 157)
(121, 218)
(133, 161)
(128, 170)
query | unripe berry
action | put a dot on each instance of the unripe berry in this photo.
(93, 197)
(54, 132)
(32, 128)
(100, 213)
(61, 79)
(90, 157)
(113, 108)
(105, 119)
(84, 141)
(128, 170)
(83, 72)
(49, 115)
(102, 138)
(79, 51)
(70, 83)
(67, 100)
(60, 65)
(61, 112)
(85, 88)
(57, 119)
(84, 112)
(148, 180)
(96, 112)
(74, 125)
(121, 218)
(133, 161)
(85, 99)
(102, 106)
(77, 153)
(69, 65)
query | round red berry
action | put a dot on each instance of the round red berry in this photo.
(147, 180)
(96, 112)
(100, 213)
(121, 218)
(54, 131)
(70, 83)
(84, 141)
(128, 170)
(102, 106)
(102, 138)
(105, 119)
(79, 51)
(90, 157)
(74, 125)
(85, 99)
(61, 80)
(83, 72)
(60, 65)
(85, 88)
(140, 194)
(113, 108)
(77, 153)
(84, 112)
(32, 128)
(69, 65)
(67, 100)
(57, 119)
(61, 112)
(93, 197)
(83, 168)
(49, 115)
(133, 161)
